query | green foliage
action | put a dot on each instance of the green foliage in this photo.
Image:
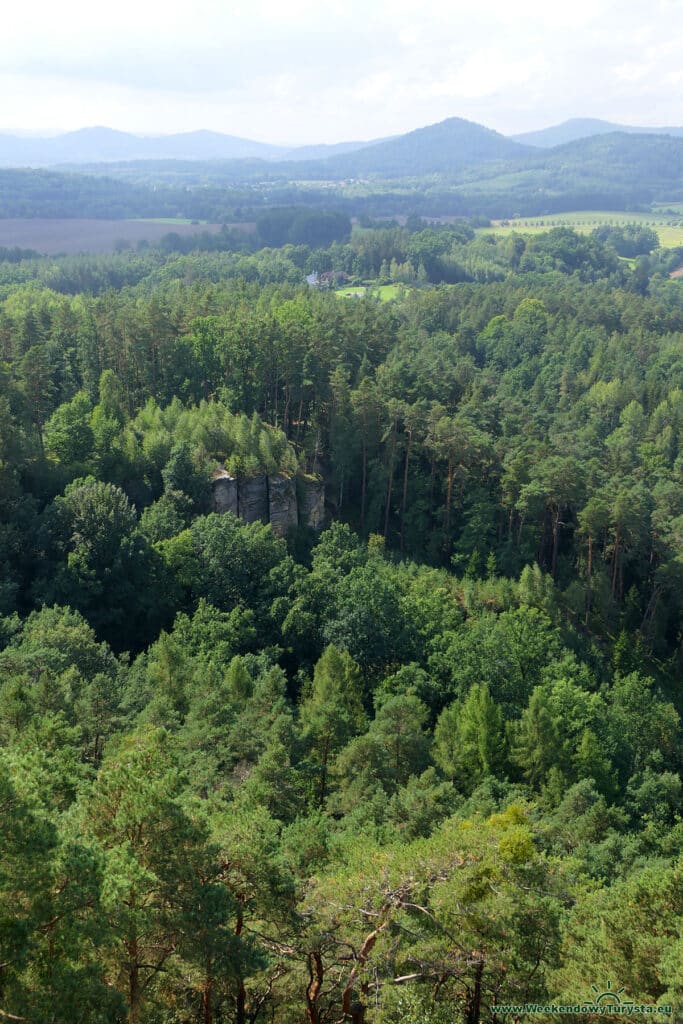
(159, 866)
(167, 516)
(68, 434)
(608, 938)
(469, 740)
(333, 713)
(317, 228)
(230, 563)
(368, 619)
(52, 922)
(102, 564)
(507, 652)
(630, 240)
(180, 475)
(421, 762)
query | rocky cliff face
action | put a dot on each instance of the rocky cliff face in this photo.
(283, 501)
(253, 499)
(311, 502)
(224, 490)
(282, 504)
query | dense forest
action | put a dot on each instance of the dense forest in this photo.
(400, 759)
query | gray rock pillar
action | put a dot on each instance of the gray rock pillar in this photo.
(282, 503)
(253, 499)
(224, 492)
(312, 502)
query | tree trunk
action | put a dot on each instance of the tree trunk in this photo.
(589, 579)
(351, 1008)
(473, 1009)
(542, 547)
(404, 499)
(285, 414)
(240, 1004)
(390, 482)
(299, 416)
(363, 487)
(556, 541)
(315, 984)
(615, 563)
(207, 1009)
(449, 499)
(621, 580)
(649, 613)
(519, 530)
(323, 773)
(358, 1013)
(241, 999)
(133, 982)
(432, 474)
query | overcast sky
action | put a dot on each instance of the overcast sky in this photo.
(299, 71)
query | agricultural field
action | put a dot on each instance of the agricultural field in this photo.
(384, 292)
(668, 226)
(79, 235)
(168, 220)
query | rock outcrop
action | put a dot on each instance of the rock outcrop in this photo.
(282, 503)
(253, 499)
(224, 492)
(311, 502)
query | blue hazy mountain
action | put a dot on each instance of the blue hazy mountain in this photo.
(584, 128)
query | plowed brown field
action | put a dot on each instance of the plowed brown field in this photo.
(73, 236)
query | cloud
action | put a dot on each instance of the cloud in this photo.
(488, 72)
(631, 72)
(306, 71)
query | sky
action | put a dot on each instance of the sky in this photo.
(300, 71)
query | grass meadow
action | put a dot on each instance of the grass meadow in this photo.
(668, 225)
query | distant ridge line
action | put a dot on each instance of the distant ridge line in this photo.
(108, 145)
(577, 128)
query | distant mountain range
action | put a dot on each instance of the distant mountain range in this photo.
(584, 128)
(105, 145)
(454, 168)
(442, 148)
(425, 150)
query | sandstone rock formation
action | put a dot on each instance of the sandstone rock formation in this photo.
(282, 503)
(253, 499)
(224, 492)
(311, 502)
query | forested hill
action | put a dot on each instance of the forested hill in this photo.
(615, 171)
(653, 162)
(42, 193)
(455, 168)
(583, 128)
(401, 764)
(438, 148)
